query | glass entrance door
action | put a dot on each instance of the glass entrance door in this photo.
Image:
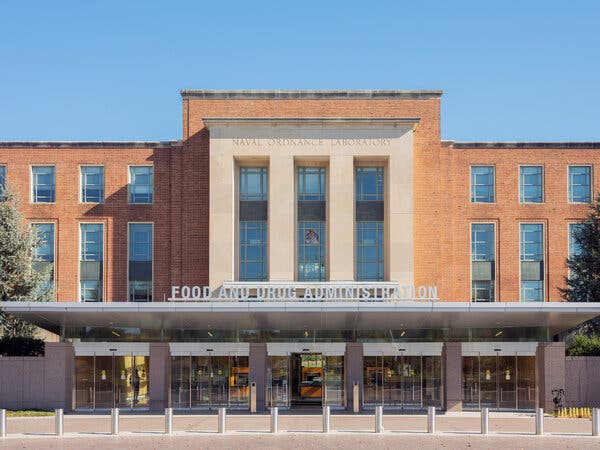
(307, 379)
(278, 381)
(333, 381)
(104, 382)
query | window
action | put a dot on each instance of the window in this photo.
(253, 224)
(2, 182)
(574, 248)
(482, 184)
(91, 261)
(140, 262)
(530, 180)
(141, 182)
(532, 258)
(92, 184)
(311, 223)
(369, 226)
(482, 262)
(580, 183)
(43, 255)
(253, 183)
(43, 184)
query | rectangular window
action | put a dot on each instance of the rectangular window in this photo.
(311, 192)
(141, 184)
(43, 255)
(140, 262)
(92, 184)
(2, 181)
(91, 261)
(43, 184)
(482, 184)
(253, 224)
(574, 248)
(482, 262)
(532, 262)
(580, 184)
(531, 184)
(369, 226)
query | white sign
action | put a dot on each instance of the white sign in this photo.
(299, 292)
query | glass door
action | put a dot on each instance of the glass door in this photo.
(525, 376)
(278, 381)
(333, 380)
(104, 383)
(373, 380)
(84, 382)
(411, 382)
(470, 370)
(507, 382)
(200, 382)
(488, 381)
(238, 381)
(180, 381)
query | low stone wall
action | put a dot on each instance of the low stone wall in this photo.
(582, 381)
(39, 382)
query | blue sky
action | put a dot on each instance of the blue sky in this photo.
(112, 70)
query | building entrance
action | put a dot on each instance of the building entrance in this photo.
(115, 381)
(307, 379)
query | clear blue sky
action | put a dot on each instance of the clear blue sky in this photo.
(112, 70)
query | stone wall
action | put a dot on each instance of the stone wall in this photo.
(582, 387)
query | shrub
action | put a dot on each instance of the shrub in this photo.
(21, 346)
(584, 345)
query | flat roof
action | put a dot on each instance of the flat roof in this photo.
(294, 314)
(522, 145)
(88, 144)
(326, 94)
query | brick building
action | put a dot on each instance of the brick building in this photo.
(306, 247)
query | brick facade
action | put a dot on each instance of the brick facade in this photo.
(442, 205)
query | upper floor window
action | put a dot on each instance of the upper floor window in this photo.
(141, 184)
(369, 183)
(43, 254)
(574, 247)
(92, 184)
(253, 183)
(482, 184)
(532, 262)
(91, 241)
(43, 184)
(2, 182)
(531, 184)
(311, 183)
(580, 184)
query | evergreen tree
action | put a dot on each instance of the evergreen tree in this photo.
(583, 282)
(18, 280)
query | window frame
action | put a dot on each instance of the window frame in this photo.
(543, 261)
(129, 259)
(54, 224)
(472, 186)
(591, 186)
(82, 185)
(130, 185)
(494, 225)
(542, 184)
(32, 178)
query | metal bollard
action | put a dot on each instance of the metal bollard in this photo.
(326, 416)
(168, 420)
(58, 421)
(485, 420)
(595, 422)
(274, 414)
(114, 421)
(355, 398)
(253, 397)
(431, 419)
(222, 415)
(2, 423)
(539, 421)
(379, 419)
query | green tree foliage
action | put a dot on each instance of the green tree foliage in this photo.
(18, 280)
(584, 345)
(583, 282)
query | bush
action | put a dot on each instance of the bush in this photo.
(584, 345)
(21, 346)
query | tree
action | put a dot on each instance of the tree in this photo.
(19, 281)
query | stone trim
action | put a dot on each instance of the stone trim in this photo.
(90, 144)
(522, 145)
(247, 94)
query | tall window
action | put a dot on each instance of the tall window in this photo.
(532, 262)
(253, 224)
(90, 261)
(141, 184)
(2, 182)
(43, 256)
(140, 262)
(92, 184)
(43, 184)
(531, 188)
(574, 248)
(580, 184)
(482, 262)
(311, 223)
(369, 209)
(482, 184)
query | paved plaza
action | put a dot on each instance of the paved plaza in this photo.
(507, 431)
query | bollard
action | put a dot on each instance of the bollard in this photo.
(326, 419)
(2, 423)
(274, 414)
(355, 398)
(431, 419)
(379, 419)
(253, 397)
(169, 421)
(595, 422)
(114, 421)
(485, 420)
(539, 421)
(222, 414)
(58, 422)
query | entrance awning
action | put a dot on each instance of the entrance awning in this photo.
(293, 315)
